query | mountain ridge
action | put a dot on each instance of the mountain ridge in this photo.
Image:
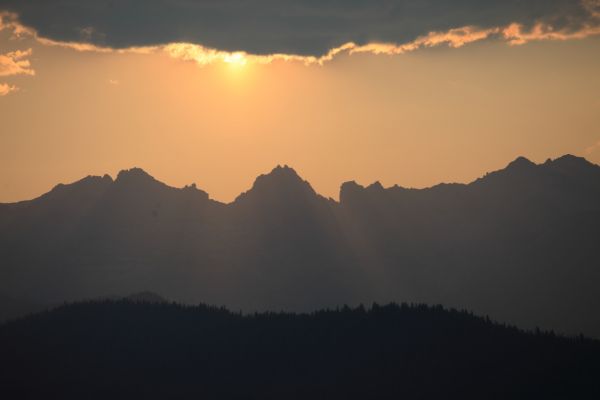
(285, 173)
(519, 244)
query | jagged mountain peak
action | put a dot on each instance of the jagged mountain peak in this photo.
(570, 158)
(88, 180)
(89, 184)
(375, 186)
(569, 161)
(282, 181)
(351, 189)
(520, 163)
(137, 180)
(282, 173)
(351, 185)
(134, 174)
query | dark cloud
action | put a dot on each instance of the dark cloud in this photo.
(306, 27)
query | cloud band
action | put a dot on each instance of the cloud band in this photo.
(299, 27)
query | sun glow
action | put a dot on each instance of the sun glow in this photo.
(237, 59)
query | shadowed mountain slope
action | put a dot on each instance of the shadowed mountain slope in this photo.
(519, 244)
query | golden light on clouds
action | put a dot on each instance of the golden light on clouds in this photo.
(10, 21)
(454, 38)
(238, 59)
(5, 89)
(514, 34)
(16, 63)
(202, 55)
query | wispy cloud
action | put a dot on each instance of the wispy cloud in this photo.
(88, 47)
(516, 34)
(9, 21)
(5, 89)
(16, 63)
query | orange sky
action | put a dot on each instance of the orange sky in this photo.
(433, 115)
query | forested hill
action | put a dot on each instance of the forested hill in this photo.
(132, 349)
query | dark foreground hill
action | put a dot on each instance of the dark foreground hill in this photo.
(130, 349)
(519, 244)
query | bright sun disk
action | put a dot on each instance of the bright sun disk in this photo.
(235, 59)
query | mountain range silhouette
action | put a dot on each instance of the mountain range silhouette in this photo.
(519, 244)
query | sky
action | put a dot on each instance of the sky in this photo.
(216, 93)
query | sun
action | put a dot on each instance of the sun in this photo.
(236, 59)
(237, 69)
